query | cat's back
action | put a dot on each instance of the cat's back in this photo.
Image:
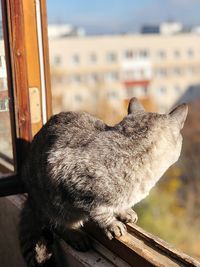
(65, 127)
(63, 130)
(59, 137)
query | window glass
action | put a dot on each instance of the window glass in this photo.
(157, 63)
(111, 76)
(75, 59)
(129, 54)
(75, 79)
(6, 151)
(93, 58)
(161, 72)
(144, 53)
(92, 78)
(111, 57)
(162, 90)
(177, 71)
(177, 53)
(161, 54)
(57, 60)
(190, 52)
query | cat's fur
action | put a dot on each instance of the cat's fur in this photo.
(80, 169)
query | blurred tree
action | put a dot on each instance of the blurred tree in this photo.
(190, 163)
(174, 205)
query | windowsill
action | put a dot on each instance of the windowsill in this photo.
(137, 248)
(143, 249)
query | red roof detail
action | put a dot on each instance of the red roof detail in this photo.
(136, 83)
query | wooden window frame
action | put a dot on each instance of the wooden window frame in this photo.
(140, 248)
(23, 64)
(137, 248)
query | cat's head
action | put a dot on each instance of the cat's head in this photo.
(148, 128)
(174, 118)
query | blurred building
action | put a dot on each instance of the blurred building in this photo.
(196, 29)
(150, 29)
(156, 67)
(64, 30)
(169, 27)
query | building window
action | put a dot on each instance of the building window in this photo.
(144, 53)
(161, 72)
(161, 54)
(139, 74)
(128, 75)
(190, 70)
(142, 74)
(112, 95)
(162, 91)
(177, 54)
(92, 78)
(75, 59)
(129, 54)
(136, 91)
(177, 71)
(75, 79)
(57, 60)
(190, 52)
(111, 57)
(111, 77)
(78, 98)
(92, 58)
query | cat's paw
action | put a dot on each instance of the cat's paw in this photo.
(115, 229)
(128, 216)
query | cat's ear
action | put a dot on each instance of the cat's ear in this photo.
(134, 106)
(180, 114)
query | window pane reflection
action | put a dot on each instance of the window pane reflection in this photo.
(6, 153)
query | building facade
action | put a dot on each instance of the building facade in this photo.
(156, 67)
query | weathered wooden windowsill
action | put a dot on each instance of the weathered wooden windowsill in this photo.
(137, 248)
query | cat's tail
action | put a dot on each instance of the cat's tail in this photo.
(35, 240)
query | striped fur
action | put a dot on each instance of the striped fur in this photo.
(35, 240)
(81, 169)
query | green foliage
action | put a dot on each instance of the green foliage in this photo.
(163, 214)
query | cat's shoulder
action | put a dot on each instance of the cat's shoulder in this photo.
(81, 120)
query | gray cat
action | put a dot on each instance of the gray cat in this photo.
(81, 169)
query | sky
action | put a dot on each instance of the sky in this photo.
(118, 16)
